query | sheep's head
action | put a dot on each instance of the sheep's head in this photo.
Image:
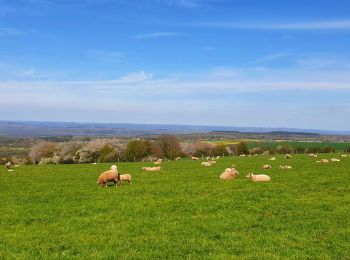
(249, 175)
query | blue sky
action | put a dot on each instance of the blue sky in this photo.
(209, 62)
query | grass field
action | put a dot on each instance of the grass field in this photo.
(58, 212)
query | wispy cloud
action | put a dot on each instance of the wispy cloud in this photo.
(105, 55)
(156, 35)
(309, 25)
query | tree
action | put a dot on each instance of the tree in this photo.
(241, 148)
(170, 146)
(42, 150)
(328, 149)
(137, 149)
(299, 149)
(220, 150)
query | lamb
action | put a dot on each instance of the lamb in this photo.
(212, 162)
(242, 155)
(266, 167)
(218, 157)
(229, 174)
(151, 169)
(125, 177)
(178, 159)
(194, 158)
(208, 158)
(259, 177)
(288, 156)
(109, 176)
(273, 159)
(335, 160)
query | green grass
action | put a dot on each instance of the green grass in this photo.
(58, 212)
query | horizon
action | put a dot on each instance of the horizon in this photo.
(177, 62)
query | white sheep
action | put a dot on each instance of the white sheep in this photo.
(285, 167)
(125, 177)
(207, 164)
(242, 155)
(194, 158)
(178, 159)
(273, 159)
(344, 155)
(229, 174)
(335, 160)
(259, 177)
(288, 156)
(151, 169)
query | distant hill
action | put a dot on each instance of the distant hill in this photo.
(40, 129)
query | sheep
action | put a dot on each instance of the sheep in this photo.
(311, 155)
(194, 158)
(207, 164)
(324, 161)
(208, 158)
(288, 156)
(218, 157)
(125, 177)
(266, 167)
(229, 174)
(273, 159)
(212, 162)
(151, 169)
(259, 177)
(109, 176)
(285, 167)
(242, 155)
(178, 159)
(158, 162)
(8, 165)
(335, 160)
(343, 155)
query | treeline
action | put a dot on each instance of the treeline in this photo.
(68, 151)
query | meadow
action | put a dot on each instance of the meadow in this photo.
(185, 211)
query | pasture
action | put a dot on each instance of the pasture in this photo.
(184, 211)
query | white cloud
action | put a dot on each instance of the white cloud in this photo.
(136, 77)
(156, 35)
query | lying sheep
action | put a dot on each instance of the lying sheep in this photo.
(178, 159)
(151, 169)
(125, 177)
(323, 161)
(207, 164)
(194, 158)
(335, 160)
(273, 159)
(259, 177)
(218, 157)
(109, 176)
(266, 167)
(288, 156)
(285, 167)
(208, 158)
(229, 174)
(242, 155)
(212, 162)
(344, 155)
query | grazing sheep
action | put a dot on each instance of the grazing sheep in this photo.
(229, 174)
(273, 159)
(344, 155)
(194, 158)
(218, 157)
(256, 155)
(109, 176)
(259, 177)
(212, 162)
(125, 177)
(207, 164)
(151, 169)
(288, 156)
(242, 155)
(266, 167)
(208, 158)
(335, 160)
(285, 167)
(311, 155)
(178, 159)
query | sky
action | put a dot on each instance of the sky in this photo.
(256, 63)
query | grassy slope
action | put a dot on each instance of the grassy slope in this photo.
(183, 212)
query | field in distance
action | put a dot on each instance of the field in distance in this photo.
(184, 211)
